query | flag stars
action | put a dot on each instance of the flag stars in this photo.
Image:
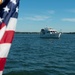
(6, 9)
(1, 19)
(17, 9)
(13, 1)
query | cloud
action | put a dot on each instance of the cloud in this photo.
(51, 11)
(37, 18)
(69, 19)
(71, 10)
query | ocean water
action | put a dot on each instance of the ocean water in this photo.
(31, 55)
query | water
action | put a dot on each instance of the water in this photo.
(31, 55)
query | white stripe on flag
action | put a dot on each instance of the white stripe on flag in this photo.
(12, 24)
(2, 32)
(1, 72)
(4, 50)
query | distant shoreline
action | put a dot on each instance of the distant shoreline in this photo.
(39, 32)
(28, 32)
(69, 32)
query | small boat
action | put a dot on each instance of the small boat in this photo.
(49, 33)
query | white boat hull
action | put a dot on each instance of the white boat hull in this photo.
(55, 35)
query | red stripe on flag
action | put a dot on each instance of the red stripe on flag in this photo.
(2, 25)
(7, 37)
(2, 63)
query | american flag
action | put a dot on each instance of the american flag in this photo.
(8, 20)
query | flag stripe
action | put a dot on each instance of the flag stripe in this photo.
(2, 63)
(4, 50)
(2, 25)
(1, 72)
(8, 37)
(12, 24)
(2, 31)
(9, 31)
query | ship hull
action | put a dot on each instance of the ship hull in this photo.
(55, 35)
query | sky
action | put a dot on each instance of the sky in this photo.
(37, 14)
